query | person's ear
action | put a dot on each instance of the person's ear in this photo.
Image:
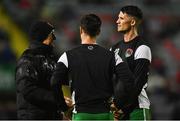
(98, 32)
(133, 22)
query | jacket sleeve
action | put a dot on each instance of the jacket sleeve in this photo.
(27, 85)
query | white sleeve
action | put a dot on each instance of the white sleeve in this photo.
(63, 59)
(143, 52)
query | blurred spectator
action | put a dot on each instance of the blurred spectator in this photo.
(159, 66)
(6, 54)
(176, 111)
(156, 2)
(23, 12)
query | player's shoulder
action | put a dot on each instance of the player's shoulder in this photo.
(74, 49)
(142, 45)
(27, 55)
(104, 51)
(143, 41)
(27, 58)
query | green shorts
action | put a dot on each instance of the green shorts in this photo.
(89, 116)
(140, 114)
(137, 114)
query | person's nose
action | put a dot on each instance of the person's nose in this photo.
(117, 21)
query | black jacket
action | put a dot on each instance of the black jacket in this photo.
(35, 98)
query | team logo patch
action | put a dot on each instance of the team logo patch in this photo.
(128, 52)
(90, 47)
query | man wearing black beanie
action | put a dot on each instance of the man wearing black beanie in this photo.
(35, 98)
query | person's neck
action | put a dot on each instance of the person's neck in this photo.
(130, 35)
(47, 41)
(88, 40)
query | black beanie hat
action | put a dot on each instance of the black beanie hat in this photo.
(40, 30)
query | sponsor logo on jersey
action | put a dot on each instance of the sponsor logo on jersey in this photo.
(128, 52)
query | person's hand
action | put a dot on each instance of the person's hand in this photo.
(66, 116)
(68, 101)
(118, 113)
(113, 107)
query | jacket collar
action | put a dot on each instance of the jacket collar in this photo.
(40, 47)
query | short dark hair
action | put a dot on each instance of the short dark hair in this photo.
(91, 24)
(40, 30)
(133, 11)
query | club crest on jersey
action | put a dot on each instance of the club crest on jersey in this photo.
(128, 52)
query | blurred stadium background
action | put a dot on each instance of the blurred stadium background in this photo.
(161, 26)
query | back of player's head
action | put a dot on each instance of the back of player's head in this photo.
(132, 11)
(91, 24)
(40, 30)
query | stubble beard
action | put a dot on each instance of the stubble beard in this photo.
(124, 31)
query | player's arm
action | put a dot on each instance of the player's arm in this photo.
(124, 86)
(142, 62)
(27, 79)
(59, 76)
(141, 71)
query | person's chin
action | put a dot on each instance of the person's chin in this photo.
(122, 31)
(119, 29)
